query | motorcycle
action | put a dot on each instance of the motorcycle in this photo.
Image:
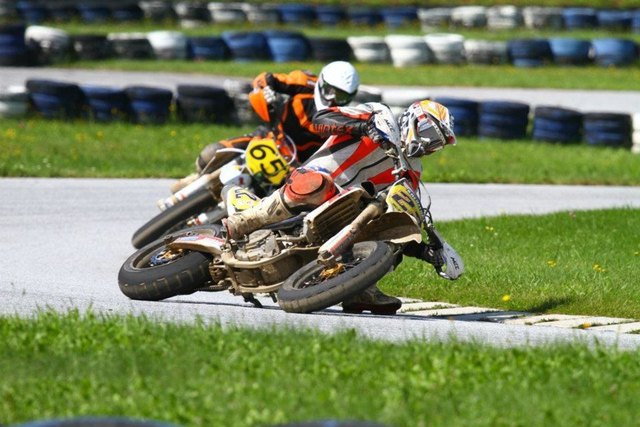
(196, 199)
(306, 263)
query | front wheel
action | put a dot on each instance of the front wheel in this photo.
(156, 272)
(315, 287)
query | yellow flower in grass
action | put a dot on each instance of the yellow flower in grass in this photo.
(552, 263)
(173, 133)
(506, 298)
(598, 268)
(10, 133)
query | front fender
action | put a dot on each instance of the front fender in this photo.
(394, 227)
(200, 242)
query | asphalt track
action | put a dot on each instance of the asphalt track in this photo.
(63, 241)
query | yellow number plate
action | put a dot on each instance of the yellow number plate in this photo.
(401, 198)
(264, 159)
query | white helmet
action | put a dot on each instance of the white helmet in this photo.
(426, 127)
(337, 85)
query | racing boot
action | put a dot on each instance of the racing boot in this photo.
(270, 210)
(374, 300)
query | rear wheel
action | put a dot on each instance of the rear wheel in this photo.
(315, 287)
(156, 272)
(175, 217)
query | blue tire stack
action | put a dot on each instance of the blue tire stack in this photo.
(32, 12)
(607, 129)
(363, 15)
(207, 49)
(107, 104)
(616, 20)
(529, 52)
(503, 120)
(465, 115)
(579, 17)
(247, 46)
(395, 17)
(287, 46)
(568, 51)
(555, 124)
(56, 100)
(297, 14)
(614, 51)
(93, 13)
(331, 16)
(150, 105)
(13, 49)
(327, 49)
(203, 104)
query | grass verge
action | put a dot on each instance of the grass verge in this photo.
(203, 375)
(582, 262)
(46, 148)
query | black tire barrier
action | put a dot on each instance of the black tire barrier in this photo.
(13, 49)
(48, 45)
(395, 17)
(32, 13)
(331, 15)
(486, 52)
(635, 21)
(568, 51)
(465, 115)
(107, 104)
(579, 17)
(607, 129)
(326, 49)
(158, 10)
(192, 12)
(503, 120)
(555, 124)
(529, 52)
(92, 47)
(204, 104)
(287, 46)
(150, 105)
(62, 13)
(56, 100)
(126, 13)
(298, 14)
(614, 52)
(94, 13)
(208, 49)
(131, 46)
(364, 16)
(247, 45)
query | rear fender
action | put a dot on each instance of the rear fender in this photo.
(201, 242)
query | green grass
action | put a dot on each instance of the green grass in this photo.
(57, 366)
(49, 148)
(583, 262)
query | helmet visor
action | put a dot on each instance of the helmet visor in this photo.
(334, 95)
(429, 135)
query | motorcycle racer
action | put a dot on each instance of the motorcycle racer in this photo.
(352, 154)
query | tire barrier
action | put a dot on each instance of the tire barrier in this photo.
(614, 52)
(207, 49)
(535, 17)
(246, 46)
(469, 16)
(616, 20)
(555, 124)
(56, 100)
(503, 120)
(226, 13)
(394, 17)
(327, 49)
(504, 17)
(203, 104)
(168, 44)
(62, 13)
(299, 14)
(91, 47)
(14, 102)
(32, 13)
(371, 49)
(287, 46)
(107, 104)
(399, 99)
(568, 51)
(13, 48)
(607, 129)
(529, 52)
(486, 52)
(364, 16)
(126, 13)
(94, 13)
(408, 50)
(192, 14)
(446, 48)
(149, 105)
(331, 15)
(579, 17)
(465, 113)
(262, 14)
(131, 45)
(49, 45)
(158, 10)
(434, 18)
